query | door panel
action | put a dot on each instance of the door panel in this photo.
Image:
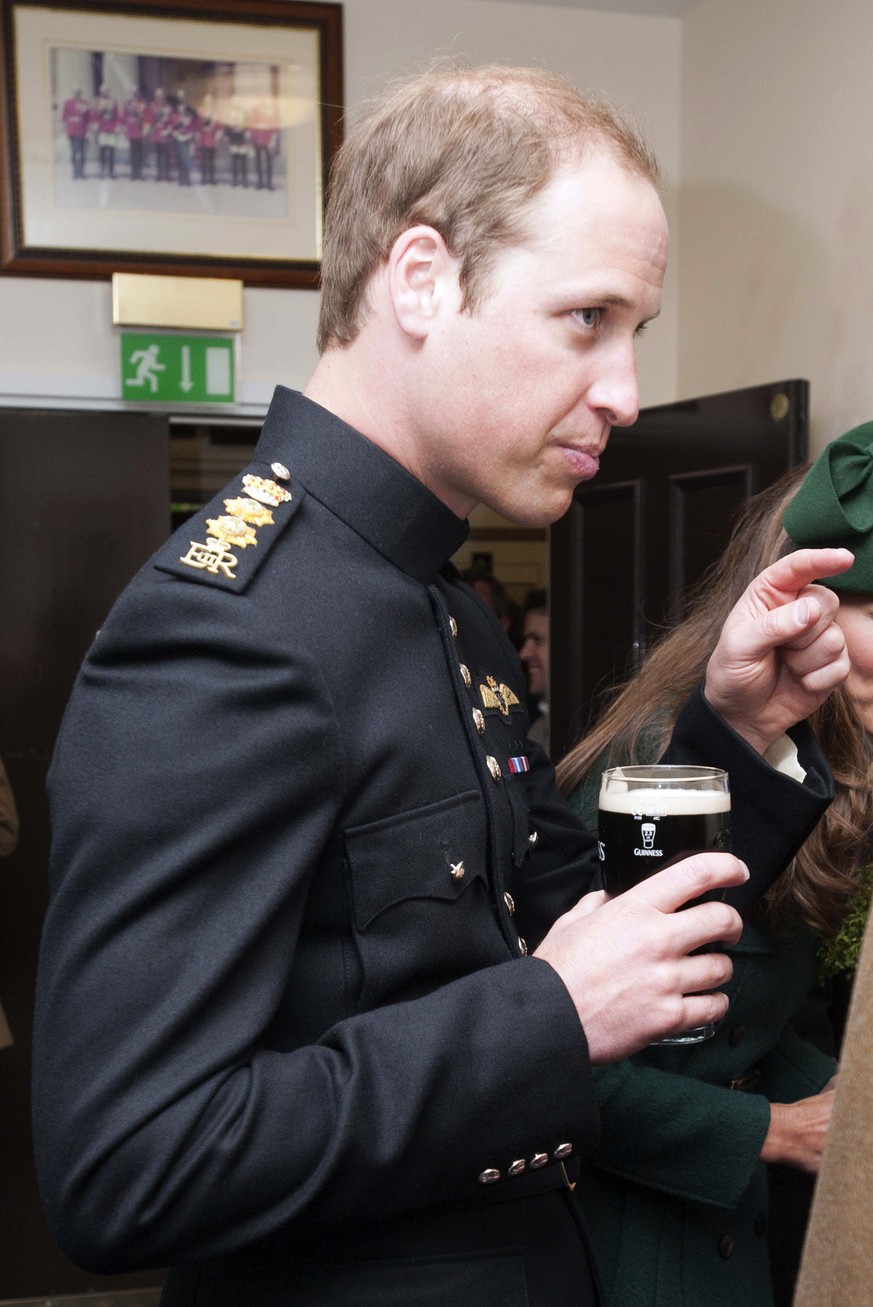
(85, 500)
(657, 516)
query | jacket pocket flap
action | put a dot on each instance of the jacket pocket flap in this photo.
(435, 852)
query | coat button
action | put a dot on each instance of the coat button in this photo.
(761, 1224)
(532, 838)
(457, 870)
(517, 1167)
(479, 719)
(737, 1036)
(538, 1160)
(490, 1176)
(465, 675)
(522, 945)
(280, 472)
(494, 767)
(562, 1151)
(510, 902)
(453, 625)
(725, 1246)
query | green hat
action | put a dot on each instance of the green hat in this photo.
(834, 507)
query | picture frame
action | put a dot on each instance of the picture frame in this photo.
(191, 139)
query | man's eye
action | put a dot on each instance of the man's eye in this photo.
(588, 317)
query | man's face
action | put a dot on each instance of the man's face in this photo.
(520, 395)
(534, 653)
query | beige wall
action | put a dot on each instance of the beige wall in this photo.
(776, 276)
(56, 340)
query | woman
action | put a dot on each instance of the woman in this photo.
(678, 1194)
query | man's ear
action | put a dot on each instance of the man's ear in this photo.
(422, 279)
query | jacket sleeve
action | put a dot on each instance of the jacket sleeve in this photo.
(795, 1069)
(681, 1136)
(771, 814)
(698, 1141)
(195, 786)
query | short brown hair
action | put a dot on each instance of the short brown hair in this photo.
(463, 151)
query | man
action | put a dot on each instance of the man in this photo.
(237, 134)
(160, 121)
(264, 136)
(76, 116)
(106, 120)
(493, 593)
(319, 996)
(534, 653)
(134, 121)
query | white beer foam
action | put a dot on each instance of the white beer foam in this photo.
(662, 802)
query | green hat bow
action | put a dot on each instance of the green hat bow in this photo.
(834, 507)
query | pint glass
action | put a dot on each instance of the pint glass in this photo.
(652, 816)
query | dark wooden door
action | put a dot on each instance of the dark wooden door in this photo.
(656, 517)
(84, 498)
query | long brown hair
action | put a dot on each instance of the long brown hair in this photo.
(817, 884)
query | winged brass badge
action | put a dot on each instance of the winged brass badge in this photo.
(497, 696)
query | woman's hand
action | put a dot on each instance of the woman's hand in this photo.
(798, 1130)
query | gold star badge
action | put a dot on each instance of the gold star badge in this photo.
(232, 530)
(249, 511)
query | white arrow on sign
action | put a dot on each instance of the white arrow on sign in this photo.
(187, 383)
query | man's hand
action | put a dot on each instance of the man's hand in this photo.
(625, 960)
(780, 652)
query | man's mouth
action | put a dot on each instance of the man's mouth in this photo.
(585, 462)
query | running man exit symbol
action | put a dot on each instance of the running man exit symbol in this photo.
(162, 369)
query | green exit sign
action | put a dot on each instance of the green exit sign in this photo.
(165, 369)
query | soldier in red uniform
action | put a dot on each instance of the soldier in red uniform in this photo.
(133, 120)
(75, 115)
(209, 133)
(106, 118)
(264, 134)
(161, 118)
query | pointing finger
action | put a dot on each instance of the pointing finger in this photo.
(796, 571)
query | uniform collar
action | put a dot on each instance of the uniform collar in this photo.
(361, 484)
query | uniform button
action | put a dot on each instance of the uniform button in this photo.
(517, 1167)
(280, 472)
(490, 1176)
(465, 674)
(562, 1151)
(538, 1160)
(479, 719)
(457, 871)
(522, 944)
(737, 1036)
(725, 1246)
(494, 767)
(532, 838)
(761, 1223)
(453, 625)
(510, 902)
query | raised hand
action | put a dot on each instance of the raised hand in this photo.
(780, 652)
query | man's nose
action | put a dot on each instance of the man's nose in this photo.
(616, 392)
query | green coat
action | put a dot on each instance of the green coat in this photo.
(677, 1196)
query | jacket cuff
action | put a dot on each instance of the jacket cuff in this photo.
(771, 814)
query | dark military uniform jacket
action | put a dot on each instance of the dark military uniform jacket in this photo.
(288, 1036)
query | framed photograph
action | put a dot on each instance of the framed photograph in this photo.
(146, 136)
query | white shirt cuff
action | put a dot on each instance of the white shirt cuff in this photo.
(782, 754)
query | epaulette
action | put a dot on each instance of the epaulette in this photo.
(229, 539)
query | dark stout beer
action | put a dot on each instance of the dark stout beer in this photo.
(645, 830)
(651, 817)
